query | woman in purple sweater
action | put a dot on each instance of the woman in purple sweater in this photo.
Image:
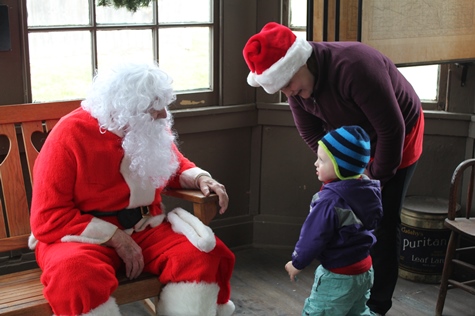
(333, 84)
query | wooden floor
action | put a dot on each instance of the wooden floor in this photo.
(261, 287)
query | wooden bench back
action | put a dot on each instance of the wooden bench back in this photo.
(23, 129)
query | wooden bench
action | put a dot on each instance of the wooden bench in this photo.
(23, 129)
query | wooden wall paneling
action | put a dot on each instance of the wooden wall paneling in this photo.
(418, 32)
(409, 32)
(335, 20)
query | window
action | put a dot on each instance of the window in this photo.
(66, 49)
(423, 79)
(297, 17)
(429, 81)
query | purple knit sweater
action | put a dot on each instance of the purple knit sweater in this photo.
(357, 85)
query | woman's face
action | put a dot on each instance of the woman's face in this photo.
(301, 84)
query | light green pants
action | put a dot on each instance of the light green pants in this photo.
(338, 294)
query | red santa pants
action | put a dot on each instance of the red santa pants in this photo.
(79, 277)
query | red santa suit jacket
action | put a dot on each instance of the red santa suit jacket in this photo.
(81, 168)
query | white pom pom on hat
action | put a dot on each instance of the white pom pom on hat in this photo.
(273, 56)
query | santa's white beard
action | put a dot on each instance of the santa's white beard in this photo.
(149, 145)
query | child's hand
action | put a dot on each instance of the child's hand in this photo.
(289, 267)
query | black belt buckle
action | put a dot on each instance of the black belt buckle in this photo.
(129, 217)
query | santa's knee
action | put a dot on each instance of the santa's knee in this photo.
(192, 299)
(75, 288)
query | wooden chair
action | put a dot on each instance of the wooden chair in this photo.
(458, 271)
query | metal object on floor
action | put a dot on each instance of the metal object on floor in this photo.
(423, 238)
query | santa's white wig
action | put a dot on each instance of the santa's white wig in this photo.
(128, 90)
(123, 101)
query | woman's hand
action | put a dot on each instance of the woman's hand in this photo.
(289, 267)
(208, 185)
(128, 251)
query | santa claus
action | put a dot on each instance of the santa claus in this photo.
(96, 205)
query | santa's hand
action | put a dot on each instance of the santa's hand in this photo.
(208, 185)
(129, 251)
(289, 267)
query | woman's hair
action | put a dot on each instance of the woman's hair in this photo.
(312, 64)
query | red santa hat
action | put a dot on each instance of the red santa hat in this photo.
(274, 56)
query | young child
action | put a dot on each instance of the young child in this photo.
(338, 230)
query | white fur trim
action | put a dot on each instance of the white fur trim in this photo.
(96, 232)
(138, 194)
(32, 242)
(251, 80)
(188, 177)
(185, 223)
(153, 221)
(226, 309)
(188, 299)
(279, 74)
(109, 308)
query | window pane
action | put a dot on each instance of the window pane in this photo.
(424, 79)
(185, 43)
(60, 65)
(52, 12)
(185, 54)
(110, 15)
(124, 45)
(301, 34)
(298, 13)
(170, 11)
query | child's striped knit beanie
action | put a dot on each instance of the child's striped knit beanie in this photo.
(349, 149)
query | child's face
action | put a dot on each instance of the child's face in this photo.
(325, 169)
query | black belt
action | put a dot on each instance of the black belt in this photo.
(127, 217)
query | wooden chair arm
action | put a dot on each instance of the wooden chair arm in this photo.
(204, 207)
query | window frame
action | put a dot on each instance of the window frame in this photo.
(440, 104)
(185, 99)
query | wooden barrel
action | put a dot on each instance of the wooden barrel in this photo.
(423, 238)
